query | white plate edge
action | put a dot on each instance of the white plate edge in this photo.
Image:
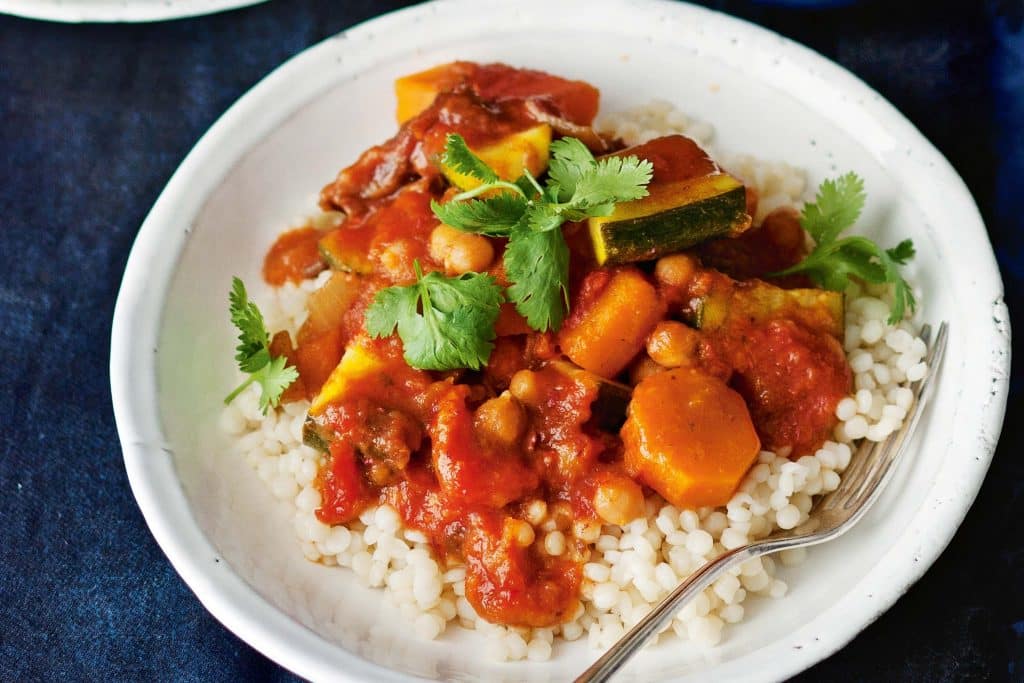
(128, 11)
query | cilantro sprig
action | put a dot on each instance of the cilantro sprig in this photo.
(531, 216)
(253, 351)
(447, 323)
(444, 322)
(834, 261)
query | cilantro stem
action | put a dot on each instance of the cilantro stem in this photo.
(428, 318)
(239, 389)
(533, 181)
(487, 187)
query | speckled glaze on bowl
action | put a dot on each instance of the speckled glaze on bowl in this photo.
(81, 11)
(260, 166)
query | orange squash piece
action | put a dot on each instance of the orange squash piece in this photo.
(607, 329)
(689, 437)
(417, 91)
(316, 358)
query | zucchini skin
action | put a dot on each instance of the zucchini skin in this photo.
(651, 236)
(347, 249)
(313, 435)
(755, 301)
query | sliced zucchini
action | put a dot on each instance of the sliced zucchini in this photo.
(369, 369)
(509, 157)
(315, 436)
(357, 362)
(347, 249)
(754, 301)
(672, 217)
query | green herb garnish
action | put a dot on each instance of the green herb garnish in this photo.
(834, 261)
(444, 322)
(531, 216)
(537, 263)
(448, 322)
(253, 351)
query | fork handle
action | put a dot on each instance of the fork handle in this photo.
(612, 660)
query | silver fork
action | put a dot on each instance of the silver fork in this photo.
(834, 514)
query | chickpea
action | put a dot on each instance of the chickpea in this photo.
(675, 270)
(644, 367)
(525, 387)
(441, 239)
(469, 253)
(501, 420)
(619, 501)
(672, 344)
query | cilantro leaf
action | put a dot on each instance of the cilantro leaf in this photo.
(613, 179)
(834, 261)
(253, 351)
(835, 208)
(389, 306)
(538, 265)
(544, 217)
(492, 216)
(902, 295)
(460, 158)
(902, 252)
(831, 267)
(444, 323)
(570, 159)
(531, 216)
(274, 378)
(252, 334)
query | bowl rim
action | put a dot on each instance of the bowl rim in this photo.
(153, 260)
(126, 11)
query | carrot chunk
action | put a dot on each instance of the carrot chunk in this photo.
(689, 437)
(609, 324)
(417, 91)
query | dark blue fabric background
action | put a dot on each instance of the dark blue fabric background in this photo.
(93, 121)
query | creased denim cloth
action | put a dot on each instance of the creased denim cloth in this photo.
(93, 121)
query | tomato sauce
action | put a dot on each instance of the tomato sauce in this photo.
(486, 464)
(778, 243)
(792, 380)
(293, 257)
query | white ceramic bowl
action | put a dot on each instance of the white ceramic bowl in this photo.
(261, 165)
(78, 11)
